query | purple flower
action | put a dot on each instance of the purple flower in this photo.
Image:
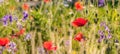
(25, 15)
(28, 37)
(67, 43)
(10, 18)
(5, 23)
(102, 37)
(1, 49)
(101, 3)
(5, 19)
(99, 40)
(101, 32)
(41, 50)
(19, 25)
(12, 47)
(102, 24)
(109, 36)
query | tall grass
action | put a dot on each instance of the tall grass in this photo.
(52, 22)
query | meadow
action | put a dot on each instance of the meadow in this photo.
(60, 27)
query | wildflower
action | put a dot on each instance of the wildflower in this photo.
(25, 15)
(19, 25)
(21, 32)
(41, 50)
(101, 3)
(5, 19)
(10, 18)
(25, 7)
(67, 43)
(102, 36)
(79, 37)
(79, 22)
(4, 41)
(12, 47)
(28, 37)
(109, 36)
(49, 45)
(46, 1)
(78, 6)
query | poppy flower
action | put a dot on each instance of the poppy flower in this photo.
(46, 1)
(21, 31)
(78, 6)
(25, 6)
(79, 22)
(4, 41)
(49, 45)
(79, 37)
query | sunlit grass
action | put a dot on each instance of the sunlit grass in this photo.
(52, 22)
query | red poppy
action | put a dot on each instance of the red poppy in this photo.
(21, 32)
(79, 37)
(78, 6)
(46, 1)
(79, 22)
(49, 45)
(4, 41)
(25, 6)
